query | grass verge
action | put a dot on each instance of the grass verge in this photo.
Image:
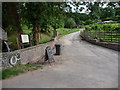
(65, 31)
(18, 69)
(44, 38)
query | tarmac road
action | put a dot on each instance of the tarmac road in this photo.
(80, 65)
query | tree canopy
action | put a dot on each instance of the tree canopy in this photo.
(40, 16)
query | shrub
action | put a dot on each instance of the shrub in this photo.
(104, 27)
(70, 23)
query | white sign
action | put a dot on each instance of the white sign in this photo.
(25, 38)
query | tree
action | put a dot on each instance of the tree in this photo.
(56, 15)
(80, 17)
(95, 10)
(70, 23)
(35, 15)
(116, 6)
(108, 12)
(40, 15)
(11, 16)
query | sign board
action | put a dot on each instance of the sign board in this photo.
(24, 38)
(49, 53)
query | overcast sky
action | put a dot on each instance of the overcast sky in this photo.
(84, 6)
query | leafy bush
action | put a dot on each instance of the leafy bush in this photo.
(70, 23)
(104, 27)
(90, 21)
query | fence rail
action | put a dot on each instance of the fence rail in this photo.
(103, 36)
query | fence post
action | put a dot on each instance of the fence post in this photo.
(90, 34)
(104, 35)
(18, 43)
(111, 36)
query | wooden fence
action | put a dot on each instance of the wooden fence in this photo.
(103, 36)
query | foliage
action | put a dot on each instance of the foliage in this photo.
(104, 27)
(79, 18)
(70, 23)
(96, 11)
(56, 15)
(116, 18)
(108, 12)
(44, 17)
(40, 16)
(90, 21)
(11, 19)
(32, 13)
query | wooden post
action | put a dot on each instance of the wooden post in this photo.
(18, 43)
(90, 33)
(111, 36)
(104, 35)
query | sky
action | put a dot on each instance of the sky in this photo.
(84, 6)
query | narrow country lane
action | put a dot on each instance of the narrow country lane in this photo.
(81, 65)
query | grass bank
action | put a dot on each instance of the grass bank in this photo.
(44, 38)
(12, 35)
(18, 69)
(65, 31)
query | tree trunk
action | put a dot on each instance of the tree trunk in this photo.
(36, 34)
(13, 16)
(55, 35)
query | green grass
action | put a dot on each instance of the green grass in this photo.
(26, 30)
(18, 69)
(65, 31)
(13, 34)
(44, 38)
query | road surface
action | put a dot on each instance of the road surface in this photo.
(80, 65)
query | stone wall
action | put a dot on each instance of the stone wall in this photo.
(34, 53)
(114, 46)
(30, 54)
